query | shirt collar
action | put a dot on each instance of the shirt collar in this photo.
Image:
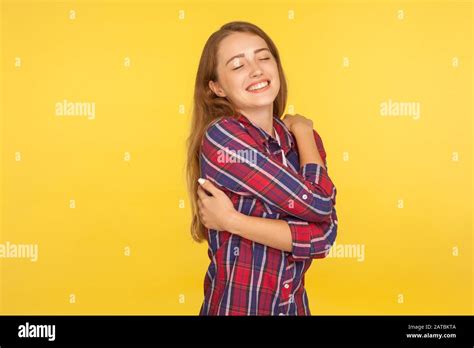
(286, 138)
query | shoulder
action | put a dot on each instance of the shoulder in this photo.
(225, 122)
(230, 133)
(222, 127)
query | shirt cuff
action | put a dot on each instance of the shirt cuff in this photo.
(300, 239)
(316, 174)
(311, 240)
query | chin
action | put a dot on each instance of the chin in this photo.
(264, 99)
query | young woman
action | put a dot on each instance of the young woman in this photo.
(264, 201)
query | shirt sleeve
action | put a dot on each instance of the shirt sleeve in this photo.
(233, 160)
(311, 240)
(324, 174)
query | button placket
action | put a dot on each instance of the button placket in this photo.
(285, 291)
(286, 288)
(286, 297)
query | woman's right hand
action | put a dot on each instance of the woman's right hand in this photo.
(297, 121)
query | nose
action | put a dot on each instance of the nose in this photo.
(255, 69)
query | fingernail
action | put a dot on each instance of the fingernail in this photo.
(201, 181)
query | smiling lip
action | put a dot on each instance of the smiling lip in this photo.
(261, 89)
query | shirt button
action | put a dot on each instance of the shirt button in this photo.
(286, 286)
(305, 196)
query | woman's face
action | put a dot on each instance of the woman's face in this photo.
(243, 60)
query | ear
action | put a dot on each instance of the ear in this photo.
(215, 87)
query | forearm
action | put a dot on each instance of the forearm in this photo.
(307, 149)
(270, 232)
(276, 233)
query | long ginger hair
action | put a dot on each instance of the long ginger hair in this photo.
(208, 107)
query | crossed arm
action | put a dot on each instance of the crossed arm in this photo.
(295, 234)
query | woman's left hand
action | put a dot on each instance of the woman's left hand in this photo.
(216, 211)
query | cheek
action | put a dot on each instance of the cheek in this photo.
(275, 75)
(276, 83)
(228, 81)
(238, 85)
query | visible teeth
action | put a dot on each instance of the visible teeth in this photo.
(258, 86)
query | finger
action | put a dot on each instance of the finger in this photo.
(201, 193)
(287, 119)
(201, 206)
(209, 187)
(201, 213)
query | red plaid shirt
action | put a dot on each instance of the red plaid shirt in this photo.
(262, 177)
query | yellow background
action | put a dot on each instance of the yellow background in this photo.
(402, 51)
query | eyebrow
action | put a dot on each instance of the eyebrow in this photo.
(242, 55)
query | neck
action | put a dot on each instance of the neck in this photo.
(262, 117)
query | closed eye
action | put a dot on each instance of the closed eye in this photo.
(243, 65)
